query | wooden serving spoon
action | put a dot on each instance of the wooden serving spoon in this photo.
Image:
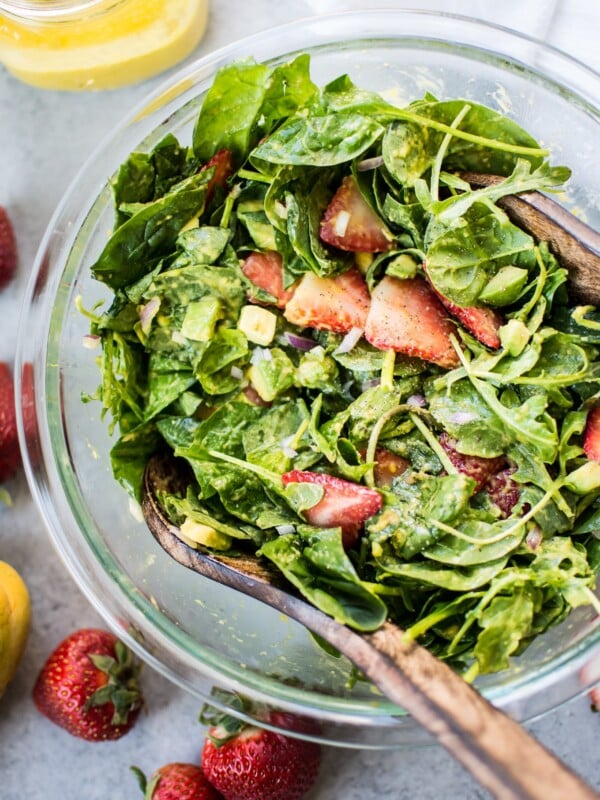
(495, 749)
(575, 244)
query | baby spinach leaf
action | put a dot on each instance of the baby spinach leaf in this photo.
(462, 258)
(222, 431)
(244, 102)
(228, 118)
(454, 579)
(202, 245)
(164, 388)
(134, 183)
(182, 286)
(138, 243)
(319, 141)
(454, 550)
(130, 454)
(314, 561)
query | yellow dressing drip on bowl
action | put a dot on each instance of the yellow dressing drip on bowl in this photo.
(97, 45)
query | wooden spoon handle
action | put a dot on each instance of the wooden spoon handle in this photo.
(495, 749)
(492, 747)
(575, 244)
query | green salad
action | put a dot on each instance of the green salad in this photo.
(378, 380)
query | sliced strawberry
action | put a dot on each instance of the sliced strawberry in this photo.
(591, 434)
(476, 467)
(10, 453)
(406, 316)
(265, 270)
(483, 322)
(222, 161)
(332, 304)
(344, 504)
(503, 490)
(387, 466)
(350, 223)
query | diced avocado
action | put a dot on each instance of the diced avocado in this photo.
(363, 261)
(505, 286)
(258, 324)
(403, 266)
(272, 375)
(201, 318)
(197, 533)
(514, 336)
(317, 370)
(584, 479)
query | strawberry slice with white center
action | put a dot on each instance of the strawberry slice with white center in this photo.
(333, 304)
(344, 504)
(407, 317)
(349, 222)
(591, 434)
(222, 161)
(265, 270)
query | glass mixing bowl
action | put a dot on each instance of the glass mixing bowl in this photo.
(195, 632)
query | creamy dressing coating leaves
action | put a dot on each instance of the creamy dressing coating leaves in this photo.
(475, 587)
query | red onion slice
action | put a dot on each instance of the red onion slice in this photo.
(300, 342)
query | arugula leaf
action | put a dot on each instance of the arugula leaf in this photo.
(504, 623)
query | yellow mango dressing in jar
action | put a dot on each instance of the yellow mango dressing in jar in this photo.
(97, 44)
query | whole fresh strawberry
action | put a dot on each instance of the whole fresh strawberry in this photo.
(8, 249)
(89, 686)
(10, 455)
(252, 763)
(177, 781)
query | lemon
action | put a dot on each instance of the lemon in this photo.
(15, 616)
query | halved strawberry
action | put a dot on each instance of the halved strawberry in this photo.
(591, 434)
(344, 504)
(10, 454)
(407, 317)
(222, 161)
(332, 304)
(8, 248)
(482, 321)
(503, 490)
(265, 270)
(350, 223)
(476, 467)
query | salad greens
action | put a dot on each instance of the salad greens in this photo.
(200, 357)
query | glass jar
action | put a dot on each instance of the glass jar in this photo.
(96, 44)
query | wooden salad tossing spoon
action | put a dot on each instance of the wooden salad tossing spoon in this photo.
(495, 749)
